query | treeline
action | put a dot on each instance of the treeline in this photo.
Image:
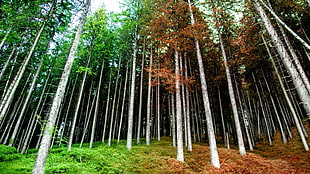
(217, 71)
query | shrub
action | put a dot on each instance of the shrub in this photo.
(8, 153)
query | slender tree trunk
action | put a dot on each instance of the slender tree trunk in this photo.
(187, 115)
(11, 91)
(6, 64)
(276, 112)
(96, 109)
(299, 128)
(148, 107)
(212, 141)
(33, 123)
(300, 69)
(222, 116)
(257, 5)
(158, 108)
(39, 165)
(244, 116)
(106, 109)
(180, 155)
(297, 81)
(233, 101)
(5, 37)
(132, 91)
(140, 94)
(77, 107)
(123, 105)
(113, 104)
(22, 112)
(174, 143)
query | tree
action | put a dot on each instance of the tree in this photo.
(39, 165)
(297, 81)
(211, 136)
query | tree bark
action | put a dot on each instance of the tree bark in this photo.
(304, 43)
(5, 37)
(148, 107)
(11, 91)
(21, 115)
(77, 106)
(132, 90)
(39, 165)
(180, 155)
(295, 117)
(96, 109)
(140, 95)
(297, 81)
(211, 136)
(233, 100)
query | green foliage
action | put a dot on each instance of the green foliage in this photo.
(7, 153)
(84, 69)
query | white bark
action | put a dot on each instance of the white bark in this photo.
(140, 94)
(233, 101)
(77, 107)
(304, 43)
(284, 139)
(180, 154)
(148, 107)
(5, 37)
(123, 105)
(289, 102)
(132, 91)
(8, 98)
(106, 109)
(112, 117)
(187, 115)
(96, 109)
(295, 76)
(211, 136)
(21, 114)
(6, 64)
(39, 165)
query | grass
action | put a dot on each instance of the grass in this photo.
(159, 158)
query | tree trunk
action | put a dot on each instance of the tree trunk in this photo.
(180, 155)
(211, 136)
(284, 139)
(39, 165)
(123, 105)
(257, 5)
(33, 123)
(77, 107)
(11, 91)
(5, 37)
(233, 100)
(7, 63)
(112, 117)
(174, 143)
(140, 94)
(106, 109)
(148, 107)
(297, 81)
(96, 109)
(22, 112)
(187, 115)
(301, 134)
(132, 90)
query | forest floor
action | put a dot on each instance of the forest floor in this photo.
(159, 158)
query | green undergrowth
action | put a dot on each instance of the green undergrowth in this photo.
(159, 158)
(99, 159)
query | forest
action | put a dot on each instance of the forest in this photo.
(197, 79)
